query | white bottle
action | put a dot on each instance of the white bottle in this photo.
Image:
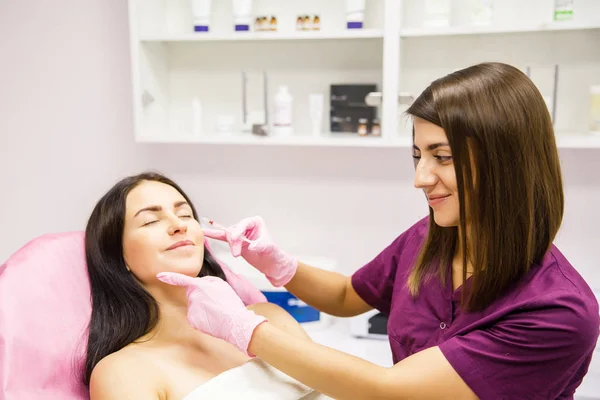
(563, 10)
(482, 12)
(355, 14)
(595, 110)
(437, 13)
(242, 14)
(282, 121)
(316, 103)
(201, 10)
(196, 117)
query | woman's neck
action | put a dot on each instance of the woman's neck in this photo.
(172, 325)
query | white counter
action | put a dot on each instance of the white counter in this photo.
(338, 337)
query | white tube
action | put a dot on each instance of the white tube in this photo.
(196, 117)
(201, 15)
(316, 104)
(242, 14)
(355, 14)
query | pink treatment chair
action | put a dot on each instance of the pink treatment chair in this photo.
(45, 309)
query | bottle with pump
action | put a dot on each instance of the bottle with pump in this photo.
(282, 120)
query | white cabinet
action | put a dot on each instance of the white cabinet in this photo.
(188, 87)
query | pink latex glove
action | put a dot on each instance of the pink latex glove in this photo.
(262, 253)
(244, 289)
(215, 309)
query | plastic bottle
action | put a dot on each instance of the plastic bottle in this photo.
(437, 13)
(282, 121)
(563, 10)
(242, 14)
(595, 110)
(201, 10)
(355, 14)
(482, 12)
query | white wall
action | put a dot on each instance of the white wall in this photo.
(65, 136)
(65, 113)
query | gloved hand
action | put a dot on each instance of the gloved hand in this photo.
(248, 293)
(215, 309)
(262, 253)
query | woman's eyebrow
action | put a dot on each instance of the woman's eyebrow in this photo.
(159, 208)
(432, 146)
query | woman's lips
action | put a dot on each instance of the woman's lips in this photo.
(181, 244)
(436, 200)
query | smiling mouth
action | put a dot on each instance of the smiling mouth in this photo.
(436, 200)
(183, 243)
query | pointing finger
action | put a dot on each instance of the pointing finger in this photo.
(217, 234)
(176, 279)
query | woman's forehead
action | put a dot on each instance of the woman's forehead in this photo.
(428, 135)
(149, 193)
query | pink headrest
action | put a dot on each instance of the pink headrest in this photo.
(45, 298)
(44, 313)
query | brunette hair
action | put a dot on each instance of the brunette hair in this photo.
(508, 176)
(122, 310)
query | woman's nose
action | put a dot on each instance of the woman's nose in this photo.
(177, 226)
(424, 176)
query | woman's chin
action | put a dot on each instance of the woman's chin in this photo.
(444, 221)
(189, 270)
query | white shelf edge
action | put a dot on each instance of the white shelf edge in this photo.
(295, 141)
(265, 36)
(563, 141)
(588, 141)
(482, 30)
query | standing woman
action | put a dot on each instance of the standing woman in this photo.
(481, 304)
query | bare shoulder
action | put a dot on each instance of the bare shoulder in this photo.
(124, 375)
(279, 317)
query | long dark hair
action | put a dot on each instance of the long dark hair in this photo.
(508, 176)
(122, 310)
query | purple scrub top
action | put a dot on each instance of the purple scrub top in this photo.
(534, 342)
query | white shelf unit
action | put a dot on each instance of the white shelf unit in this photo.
(494, 29)
(259, 36)
(329, 140)
(172, 65)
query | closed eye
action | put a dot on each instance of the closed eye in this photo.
(149, 223)
(416, 160)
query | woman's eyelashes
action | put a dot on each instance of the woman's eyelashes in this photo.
(186, 216)
(416, 159)
(442, 159)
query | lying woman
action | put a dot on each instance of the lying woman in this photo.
(140, 344)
